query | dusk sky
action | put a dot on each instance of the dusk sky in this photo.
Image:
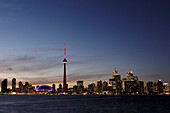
(131, 35)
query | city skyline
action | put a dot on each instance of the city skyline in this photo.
(132, 36)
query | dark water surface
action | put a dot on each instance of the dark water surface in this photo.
(84, 104)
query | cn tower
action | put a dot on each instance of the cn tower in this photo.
(65, 62)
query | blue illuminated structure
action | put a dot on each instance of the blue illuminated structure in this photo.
(44, 88)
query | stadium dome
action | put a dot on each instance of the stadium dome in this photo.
(44, 88)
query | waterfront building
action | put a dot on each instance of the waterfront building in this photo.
(91, 88)
(4, 86)
(80, 87)
(140, 87)
(166, 88)
(160, 87)
(155, 88)
(44, 89)
(75, 89)
(99, 86)
(53, 87)
(149, 86)
(14, 85)
(116, 82)
(60, 89)
(20, 87)
(79, 83)
(105, 86)
(130, 84)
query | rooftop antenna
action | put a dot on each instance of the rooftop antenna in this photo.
(64, 51)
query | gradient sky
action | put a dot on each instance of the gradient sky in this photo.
(99, 34)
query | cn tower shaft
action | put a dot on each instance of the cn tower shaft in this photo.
(64, 79)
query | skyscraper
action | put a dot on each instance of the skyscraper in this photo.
(53, 86)
(79, 83)
(14, 85)
(20, 87)
(80, 87)
(99, 86)
(149, 86)
(160, 87)
(65, 62)
(4, 86)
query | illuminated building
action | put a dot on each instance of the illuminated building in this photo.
(150, 88)
(13, 85)
(166, 88)
(130, 84)
(64, 78)
(116, 77)
(59, 90)
(53, 86)
(20, 87)
(116, 83)
(75, 89)
(130, 87)
(91, 88)
(44, 88)
(4, 86)
(105, 86)
(155, 88)
(115, 72)
(140, 87)
(28, 88)
(79, 83)
(130, 77)
(99, 86)
(160, 87)
(112, 82)
(80, 87)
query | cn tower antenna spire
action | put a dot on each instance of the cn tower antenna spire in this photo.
(64, 51)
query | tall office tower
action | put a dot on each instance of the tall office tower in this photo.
(166, 88)
(91, 88)
(59, 90)
(115, 71)
(14, 85)
(26, 87)
(4, 86)
(20, 87)
(149, 86)
(80, 87)
(140, 87)
(99, 86)
(130, 77)
(116, 77)
(155, 88)
(65, 62)
(79, 83)
(105, 86)
(53, 88)
(116, 82)
(160, 87)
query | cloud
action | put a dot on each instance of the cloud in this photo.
(25, 58)
(45, 49)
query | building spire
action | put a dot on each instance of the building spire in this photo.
(64, 51)
(115, 68)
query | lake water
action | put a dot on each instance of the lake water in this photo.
(84, 104)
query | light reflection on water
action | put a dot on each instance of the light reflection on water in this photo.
(84, 104)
